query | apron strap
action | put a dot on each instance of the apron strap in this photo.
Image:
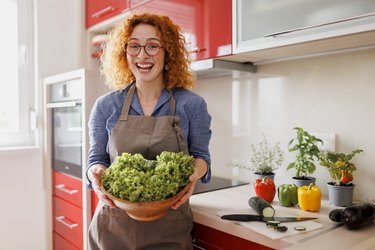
(172, 103)
(180, 136)
(128, 101)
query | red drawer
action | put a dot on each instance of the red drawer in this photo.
(67, 187)
(67, 221)
(59, 243)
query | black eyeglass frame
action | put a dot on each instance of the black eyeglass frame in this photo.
(144, 49)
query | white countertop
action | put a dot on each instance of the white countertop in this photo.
(205, 207)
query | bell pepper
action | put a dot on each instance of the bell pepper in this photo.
(309, 198)
(287, 194)
(265, 188)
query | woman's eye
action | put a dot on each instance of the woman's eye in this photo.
(152, 46)
(134, 46)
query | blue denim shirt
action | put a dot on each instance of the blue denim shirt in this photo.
(192, 110)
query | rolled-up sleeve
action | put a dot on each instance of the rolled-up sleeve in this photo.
(98, 135)
(200, 133)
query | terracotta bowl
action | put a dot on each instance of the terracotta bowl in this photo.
(146, 211)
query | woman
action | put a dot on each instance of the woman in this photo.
(146, 62)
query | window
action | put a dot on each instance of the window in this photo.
(17, 99)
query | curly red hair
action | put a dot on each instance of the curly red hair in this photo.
(115, 65)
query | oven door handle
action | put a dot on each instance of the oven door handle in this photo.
(63, 104)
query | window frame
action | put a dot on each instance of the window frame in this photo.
(26, 135)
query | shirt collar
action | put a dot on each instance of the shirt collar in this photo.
(136, 104)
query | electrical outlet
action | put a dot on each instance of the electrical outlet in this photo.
(329, 141)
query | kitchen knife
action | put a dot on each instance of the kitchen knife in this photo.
(252, 217)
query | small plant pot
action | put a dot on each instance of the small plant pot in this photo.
(303, 181)
(261, 176)
(340, 196)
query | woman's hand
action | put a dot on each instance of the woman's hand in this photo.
(94, 174)
(200, 169)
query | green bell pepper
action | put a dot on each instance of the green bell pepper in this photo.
(287, 194)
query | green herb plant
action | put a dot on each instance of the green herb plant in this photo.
(306, 147)
(339, 166)
(133, 178)
(264, 158)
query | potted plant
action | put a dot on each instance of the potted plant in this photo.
(340, 168)
(264, 159)
(306, 147)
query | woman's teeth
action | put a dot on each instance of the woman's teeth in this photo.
(144, 65)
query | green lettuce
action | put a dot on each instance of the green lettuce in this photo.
(132, 177)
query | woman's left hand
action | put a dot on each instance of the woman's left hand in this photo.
(200, 169)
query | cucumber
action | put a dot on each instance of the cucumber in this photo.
(261, 206)
(335, 215)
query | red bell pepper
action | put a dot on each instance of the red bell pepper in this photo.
(265, 188)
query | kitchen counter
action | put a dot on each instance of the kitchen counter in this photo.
(205, 207)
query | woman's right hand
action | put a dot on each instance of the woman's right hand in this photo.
(95, 173)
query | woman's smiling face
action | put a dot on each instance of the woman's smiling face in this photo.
(146, 68)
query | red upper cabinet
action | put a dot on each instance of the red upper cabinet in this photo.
(206, 24)
(100, 10)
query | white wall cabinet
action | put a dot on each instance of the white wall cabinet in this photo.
(278, 29)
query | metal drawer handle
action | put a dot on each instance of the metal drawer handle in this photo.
(103, 11)
(322, 24)
(61, 219)
(198, 246)
(61, 187)
(195, 50)
(63, 104)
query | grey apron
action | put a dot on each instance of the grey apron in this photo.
(112, 228)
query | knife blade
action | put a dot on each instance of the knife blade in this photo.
(252, 217)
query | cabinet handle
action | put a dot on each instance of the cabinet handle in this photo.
(61, 219)
(63, 104)
(198, 247)
(103, 11)
(195, 50)
(320, 25)
(61, 187)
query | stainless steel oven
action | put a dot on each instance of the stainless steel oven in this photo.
(64, 100)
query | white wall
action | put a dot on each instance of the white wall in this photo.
(25, 193)
(327, 94)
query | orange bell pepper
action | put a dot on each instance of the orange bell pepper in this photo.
(309, 198)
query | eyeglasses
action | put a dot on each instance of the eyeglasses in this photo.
(151, 49)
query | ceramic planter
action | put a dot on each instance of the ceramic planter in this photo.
(303, 182)
(340, 196)
(261, 176)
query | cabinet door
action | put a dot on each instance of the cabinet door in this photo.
(67, 221)
(67, 187)
(206, 24)
(59, 243)
(267, 24)
(100, 10)
(209, 238)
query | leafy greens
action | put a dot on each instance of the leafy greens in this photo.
(133, 178)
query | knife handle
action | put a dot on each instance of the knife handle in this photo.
(242, 217)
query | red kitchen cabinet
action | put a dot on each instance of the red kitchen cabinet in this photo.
(67, 188)
(59, 243)
(99, 10)
(67, 211)
(209, 238)
(206, 24)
